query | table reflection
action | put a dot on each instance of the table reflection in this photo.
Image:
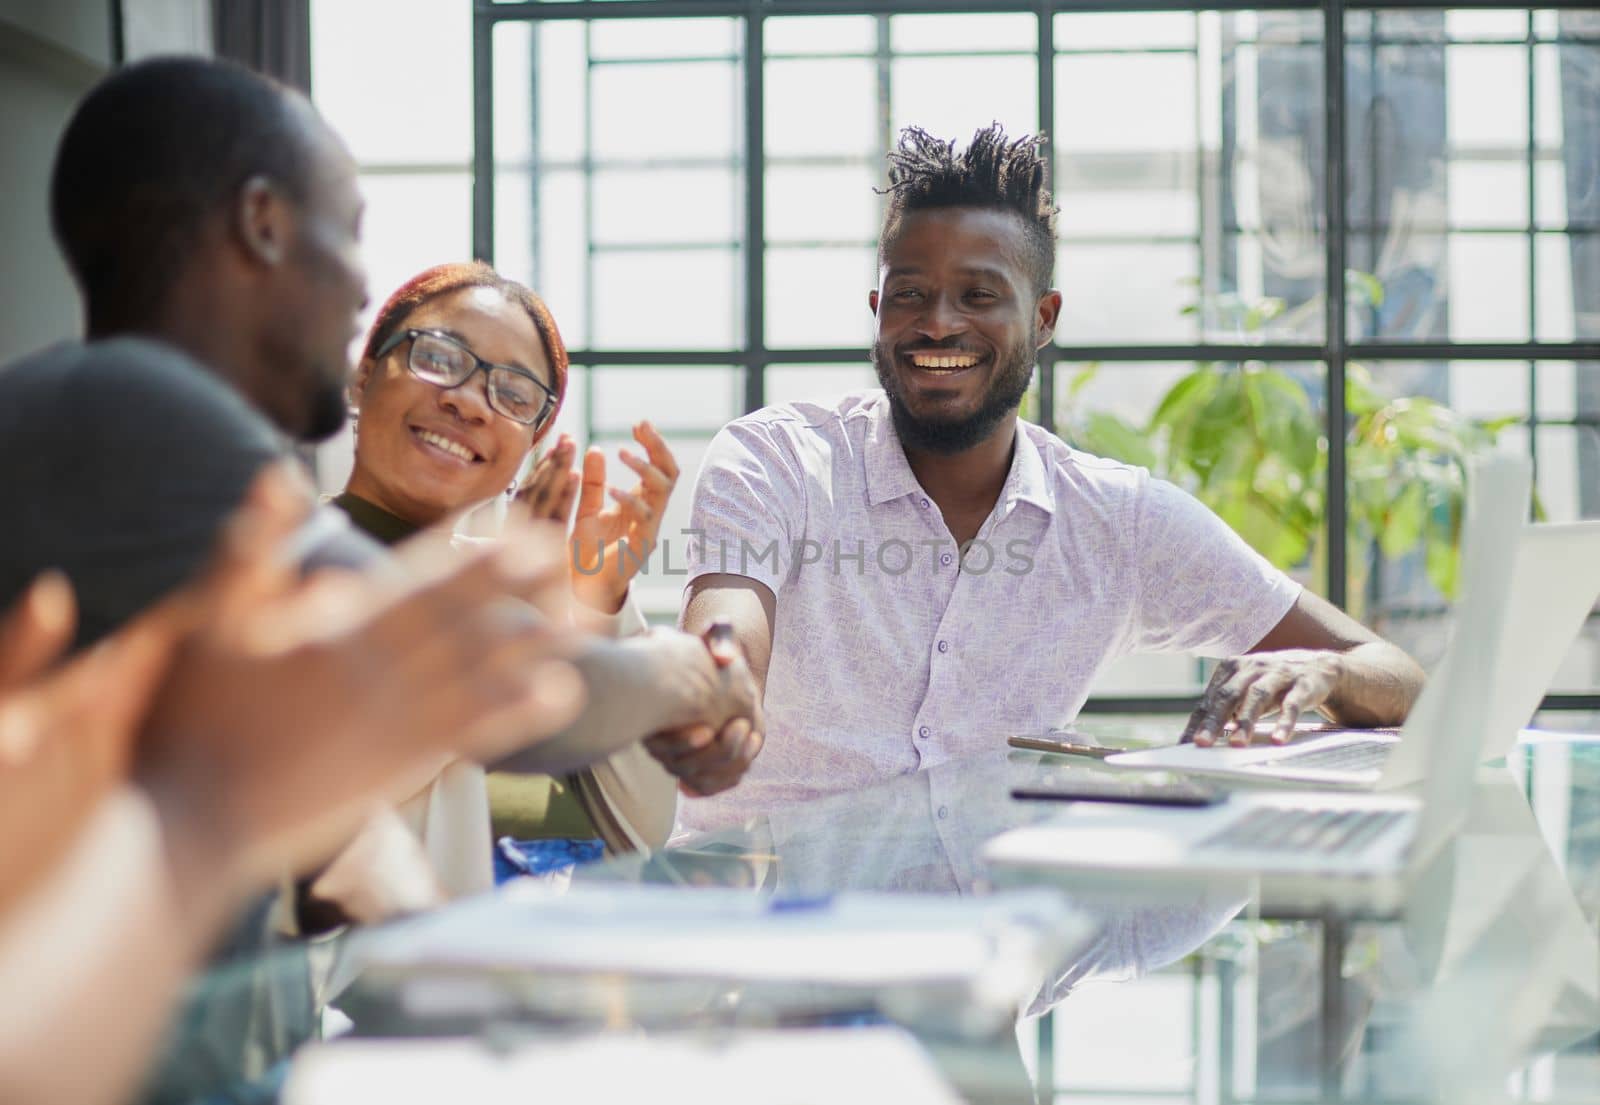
(922, 834)
(1489, 973)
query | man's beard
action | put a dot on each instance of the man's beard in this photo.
(1013, 374)
(326, 411)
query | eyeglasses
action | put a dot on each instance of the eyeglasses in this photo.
(444, 362)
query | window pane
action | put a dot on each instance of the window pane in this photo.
(1122, 194)
(369, 57)
(514, 227)
(1221, 194)
(1488, 287)
(1555, 258)
(1136, 100)
(613, 39)
(573, 418)
(667, 299)
(818, 297)
(1487, 106)
(670, 110)
(824, 384)
(1439, 148)
(1133, 30)
(1486, 25)
(1127, 168)
(1487, 195)
(820, 34)
(562, 90)
(936, 95)
(963, 33)
(1473, 389)
(657, 206)
(513, 93)
(561, 262)
(396, 243)
(675, 398)
(822, 204)
(822, 107)
(1126, 293)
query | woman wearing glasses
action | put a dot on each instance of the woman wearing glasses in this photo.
(462, 376)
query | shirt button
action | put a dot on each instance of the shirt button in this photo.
(945, 559)
(944, 646)
(923, 732)
(944, 812)
(925, 503)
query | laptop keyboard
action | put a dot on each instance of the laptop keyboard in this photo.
(1310, 829)
(1356, 756)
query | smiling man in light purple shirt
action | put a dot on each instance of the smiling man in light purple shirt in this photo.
(915, 573)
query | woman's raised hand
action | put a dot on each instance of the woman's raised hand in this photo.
(610, 544)
(552, 487)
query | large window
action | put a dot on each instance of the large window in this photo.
(690, 185)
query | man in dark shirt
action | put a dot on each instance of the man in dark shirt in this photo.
(212, 221)
(206, 208)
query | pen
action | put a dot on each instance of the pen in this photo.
(799, 905)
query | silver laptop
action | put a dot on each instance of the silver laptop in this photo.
(1317, 849)
(1554, 581)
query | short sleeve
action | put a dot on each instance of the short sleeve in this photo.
(1201, 589)
(749, 505)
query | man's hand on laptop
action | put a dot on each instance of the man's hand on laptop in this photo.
(1245, 689)
(712, 752)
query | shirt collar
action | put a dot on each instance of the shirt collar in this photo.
(889, 474)
(1027, 482)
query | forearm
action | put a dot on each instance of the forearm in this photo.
(1377, 685)
(633, 691)
(92, 960)
(744, 604)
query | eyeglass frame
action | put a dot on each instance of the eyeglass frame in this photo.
(478, 365)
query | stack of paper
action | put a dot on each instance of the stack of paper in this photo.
(662, 931)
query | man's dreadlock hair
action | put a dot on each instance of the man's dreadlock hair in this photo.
(994, 172)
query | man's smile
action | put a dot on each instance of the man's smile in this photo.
(942, 363)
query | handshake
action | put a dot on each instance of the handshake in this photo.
(719, 732)
(264, 715)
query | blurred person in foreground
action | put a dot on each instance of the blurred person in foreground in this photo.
(244, 724)
(211, 220)
(915, 572)
(462, 376)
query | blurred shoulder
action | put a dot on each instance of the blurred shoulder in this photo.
(127, 387)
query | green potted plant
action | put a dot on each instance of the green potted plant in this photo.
(1248, 442)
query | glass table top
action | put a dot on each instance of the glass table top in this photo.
(1483, 986)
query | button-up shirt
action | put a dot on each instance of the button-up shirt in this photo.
(895, 650)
